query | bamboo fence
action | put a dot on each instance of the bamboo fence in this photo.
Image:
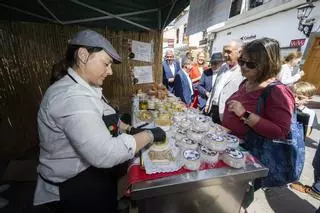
(27, 54)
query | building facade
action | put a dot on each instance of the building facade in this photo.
(289, 22)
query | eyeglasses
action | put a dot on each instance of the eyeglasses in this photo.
(249, 64)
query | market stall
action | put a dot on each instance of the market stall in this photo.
(200, 168)
(34, 38)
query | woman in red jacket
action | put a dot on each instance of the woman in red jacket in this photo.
(195, 75)
(260, 64)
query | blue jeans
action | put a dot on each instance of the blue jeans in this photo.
(316, 166)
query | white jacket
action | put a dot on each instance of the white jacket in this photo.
(73, 135)
(286, 75)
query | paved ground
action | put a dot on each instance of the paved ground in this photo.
(284, 200)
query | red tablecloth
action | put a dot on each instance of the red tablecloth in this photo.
(137, 174)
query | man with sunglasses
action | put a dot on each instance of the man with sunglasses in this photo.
(227, 82)
(170, 67)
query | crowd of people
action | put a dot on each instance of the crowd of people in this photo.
(230, 88)
(209, 86)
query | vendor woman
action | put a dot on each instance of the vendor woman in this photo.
(80, 144)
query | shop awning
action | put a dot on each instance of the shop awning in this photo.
(134, 15)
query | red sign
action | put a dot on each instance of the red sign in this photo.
(297, 42)
(170, 43)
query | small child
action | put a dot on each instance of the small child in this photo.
(303, 91)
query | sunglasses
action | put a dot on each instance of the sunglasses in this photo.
(249, 64)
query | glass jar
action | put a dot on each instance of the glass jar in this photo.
(163, 118)
(143, 102)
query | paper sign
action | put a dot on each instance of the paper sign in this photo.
(142, 51)
(143, 74)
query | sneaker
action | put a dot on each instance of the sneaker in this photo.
(4, 187)
(299, 187)
(3, 202)
(313, 193)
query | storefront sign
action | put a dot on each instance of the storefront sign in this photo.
(203, 42)
(297, 42)
(244, 38)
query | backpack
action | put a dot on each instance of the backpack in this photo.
(284, 158)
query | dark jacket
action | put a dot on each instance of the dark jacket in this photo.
(205, 85)
(168, 74)
(182, 88)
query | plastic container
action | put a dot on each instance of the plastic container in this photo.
(180, 134)
(232, 141)
(214, 142)
(179, 116)
(195, 135)
(234, 158)
(187, 143)
(201, 123)
(208, 155)
(185, 123)
(192, 113)
(217, 129)
(191, 159)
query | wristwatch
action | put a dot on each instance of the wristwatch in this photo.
(246, 115)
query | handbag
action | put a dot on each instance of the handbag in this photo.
(284, 158)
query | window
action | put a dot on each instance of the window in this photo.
(235, 8)
(185, 37)
(256, 3)
(184, 29)
(177, 36)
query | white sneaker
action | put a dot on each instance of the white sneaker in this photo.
(4, 187)
(3, 202)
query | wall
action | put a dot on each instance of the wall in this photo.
(27, 53)
(169, 33)
(282, 26)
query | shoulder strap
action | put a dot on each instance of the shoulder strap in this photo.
(244, 81)
(263, 97)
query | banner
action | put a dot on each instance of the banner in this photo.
(205, 13)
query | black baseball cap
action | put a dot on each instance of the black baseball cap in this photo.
(91, 38)
(216, 57)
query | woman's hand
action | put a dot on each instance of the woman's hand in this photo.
(206, 109)
(236, 107)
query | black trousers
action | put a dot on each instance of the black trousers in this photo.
(214, 114)
(93, 190)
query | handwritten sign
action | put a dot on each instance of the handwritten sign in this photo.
(143, 74)
(142, 51)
